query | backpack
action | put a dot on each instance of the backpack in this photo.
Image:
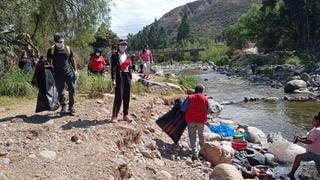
(53, 48)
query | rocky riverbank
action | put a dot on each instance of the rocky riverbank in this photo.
(89, 146)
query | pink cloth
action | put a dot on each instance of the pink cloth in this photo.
(314, 136)
(147, 56)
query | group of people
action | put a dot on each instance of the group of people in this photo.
(98, 63)
(196, 106)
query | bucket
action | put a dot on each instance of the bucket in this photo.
(238, 144)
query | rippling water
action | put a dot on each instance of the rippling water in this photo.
(289, 118)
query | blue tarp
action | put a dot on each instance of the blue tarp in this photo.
(223, 130)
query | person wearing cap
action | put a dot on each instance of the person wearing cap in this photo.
(121, 79)
(146, 59)
(97, 62)
(64, 66)
(196, 108)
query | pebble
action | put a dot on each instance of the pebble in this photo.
(6, 160)
(50, 155)
(3, 153)
(146, 154)
(32, 156)
(159, 162)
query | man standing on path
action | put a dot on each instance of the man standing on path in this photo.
(196, 107)
(64, 65)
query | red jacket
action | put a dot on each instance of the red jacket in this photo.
(197, 109)
(97, 63)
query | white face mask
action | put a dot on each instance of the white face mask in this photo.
(59, 45)
(122, 48)
(98, 54)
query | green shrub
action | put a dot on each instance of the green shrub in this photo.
(16, 83)
(223, 60)
(137, 88)
(294, 60)
(188, 81)
(93, 84)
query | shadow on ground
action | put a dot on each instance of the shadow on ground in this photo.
(34, 119)
(168, 150)
(84, 124)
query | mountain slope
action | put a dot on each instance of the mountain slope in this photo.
(208, 18)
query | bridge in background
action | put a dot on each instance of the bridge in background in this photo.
(168, 52)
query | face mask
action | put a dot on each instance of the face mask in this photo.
(97, 54)
(59, 45)
(123, 48)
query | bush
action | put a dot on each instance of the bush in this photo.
(222, 61)
(137, 88)
(93, 84)
(295, 60)
(16, 83)
(188, 81)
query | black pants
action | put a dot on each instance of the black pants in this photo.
(122, 93)
(71, 84)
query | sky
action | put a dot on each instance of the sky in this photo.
(130, 16)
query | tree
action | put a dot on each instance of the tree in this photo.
(104, 37)
(184, 29)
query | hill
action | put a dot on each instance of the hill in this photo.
(208, 18)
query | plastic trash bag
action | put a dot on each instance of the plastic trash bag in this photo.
(47, 95)
(285, 151)
(223, 130)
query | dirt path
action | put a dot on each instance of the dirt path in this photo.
(39, 146)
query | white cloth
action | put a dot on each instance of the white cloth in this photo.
(123, 58)
(146, 68)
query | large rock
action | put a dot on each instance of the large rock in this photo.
(256, 136)
(285, 151)
(225, 172)
(215, 153)
(295, 85)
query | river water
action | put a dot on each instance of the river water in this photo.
(289, 118)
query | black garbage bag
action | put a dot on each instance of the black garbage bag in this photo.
(47, 96)
(173, 122)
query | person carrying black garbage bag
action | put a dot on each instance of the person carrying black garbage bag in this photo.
(121, 79)
(64, 65)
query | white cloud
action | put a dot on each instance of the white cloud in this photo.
(130, 16)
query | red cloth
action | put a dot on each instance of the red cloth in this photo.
(97, 63)
(197, 109)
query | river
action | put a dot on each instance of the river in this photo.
(289, 118)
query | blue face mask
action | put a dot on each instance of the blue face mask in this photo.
(123, 48)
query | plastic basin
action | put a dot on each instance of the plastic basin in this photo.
(239, 144)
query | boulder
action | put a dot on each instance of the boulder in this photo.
(225, 172)
(295, 85)
(305, 76)
(256, 136)
(210, 136)
(315, 81)
(285, 151)
(215, 153)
